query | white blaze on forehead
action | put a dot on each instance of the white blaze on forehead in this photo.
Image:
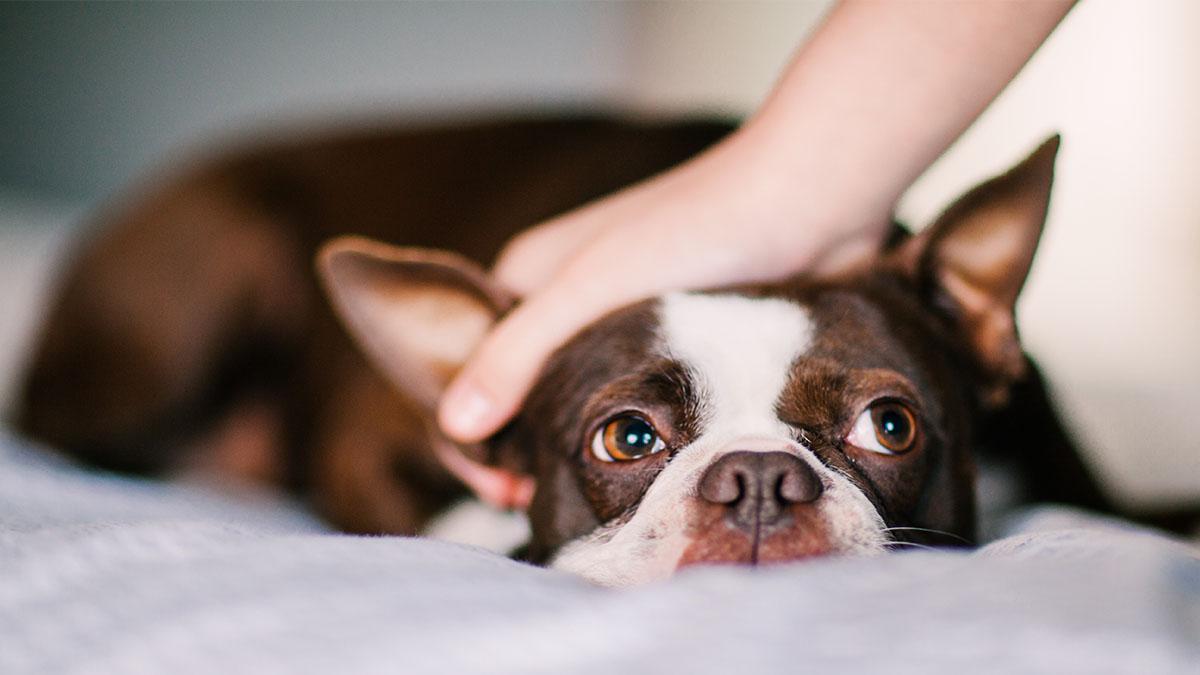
(741, 350)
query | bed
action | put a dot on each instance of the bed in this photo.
(108, 574)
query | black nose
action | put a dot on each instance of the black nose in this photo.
(757, 487)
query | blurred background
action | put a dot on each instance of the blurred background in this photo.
(97, 95)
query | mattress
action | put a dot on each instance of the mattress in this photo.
(107, 574)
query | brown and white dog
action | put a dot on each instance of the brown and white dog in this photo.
(813, 416)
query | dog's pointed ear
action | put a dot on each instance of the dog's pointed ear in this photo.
(972, 261)
(418, 314)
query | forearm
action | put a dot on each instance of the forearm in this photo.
(883, 88)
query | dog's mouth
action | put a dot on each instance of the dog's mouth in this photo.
(630, 553)
(722, 540)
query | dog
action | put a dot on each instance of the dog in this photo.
(838, 414)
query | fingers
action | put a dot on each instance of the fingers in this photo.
(619, 264)
(606, 273)
(535, 256)
(616, 268)
(490, 388)
(540, 254)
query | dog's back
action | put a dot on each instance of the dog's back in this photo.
(189, 332)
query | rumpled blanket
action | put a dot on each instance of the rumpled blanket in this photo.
(101, 574)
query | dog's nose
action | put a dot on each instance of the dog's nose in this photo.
(757, 487)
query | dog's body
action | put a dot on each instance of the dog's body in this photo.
(190, 331)
(808, 417)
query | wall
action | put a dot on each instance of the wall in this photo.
(94, 93)
(1113, 306)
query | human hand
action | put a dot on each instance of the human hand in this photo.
(728, 216)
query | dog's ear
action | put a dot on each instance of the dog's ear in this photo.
(418, 314)
(972, 262)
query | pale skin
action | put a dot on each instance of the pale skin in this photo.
(878, 92)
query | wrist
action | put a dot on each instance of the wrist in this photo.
(801, 203)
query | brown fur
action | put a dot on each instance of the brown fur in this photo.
(193, 303)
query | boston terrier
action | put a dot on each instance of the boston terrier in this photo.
(750, 424)
(837, 414)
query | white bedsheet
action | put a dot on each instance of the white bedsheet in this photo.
(109, 575)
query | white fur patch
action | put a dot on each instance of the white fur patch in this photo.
(474, 523)
(739, 351)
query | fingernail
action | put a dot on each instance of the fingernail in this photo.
(465, 410)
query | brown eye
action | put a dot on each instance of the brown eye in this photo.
(886, 427)
(624, 438)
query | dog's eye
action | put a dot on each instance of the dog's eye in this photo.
(886, 427)
(625, 438)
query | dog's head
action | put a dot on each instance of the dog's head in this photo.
(815, 416)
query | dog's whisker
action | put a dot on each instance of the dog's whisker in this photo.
(909, 544)
(943, 533)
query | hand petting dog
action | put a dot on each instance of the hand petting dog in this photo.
(878, 93)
